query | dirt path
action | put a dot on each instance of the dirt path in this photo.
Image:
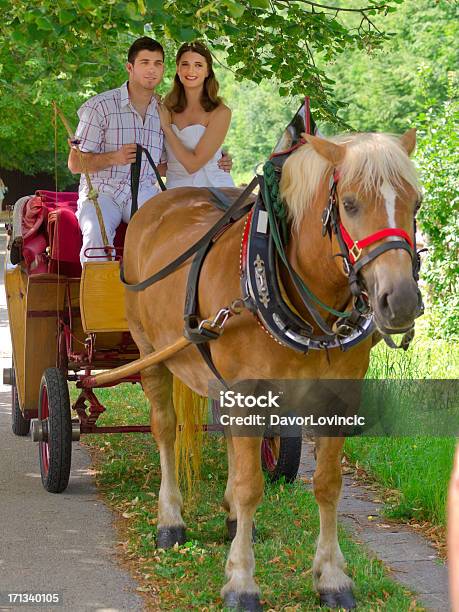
(53, 543)
(411, 560)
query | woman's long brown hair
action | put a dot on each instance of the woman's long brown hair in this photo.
(175, 100)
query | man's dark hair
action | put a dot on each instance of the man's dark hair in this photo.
(143, 44)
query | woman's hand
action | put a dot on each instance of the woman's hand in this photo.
(164, 116)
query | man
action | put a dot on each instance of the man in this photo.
(111, 125)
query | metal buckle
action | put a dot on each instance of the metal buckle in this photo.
(355, 251)
(219, 321)
(346, 266)
(343, 330)
(326, 218)
(362, 303)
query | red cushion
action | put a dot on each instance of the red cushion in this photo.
(68, 198)
(34, 246)
(64, 235)
(49, 219)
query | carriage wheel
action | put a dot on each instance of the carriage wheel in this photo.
(56, 450)
(280, 457)
(19, 424)
(62, 361)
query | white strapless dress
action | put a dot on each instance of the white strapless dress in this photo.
(209, 175)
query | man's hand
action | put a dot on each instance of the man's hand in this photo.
(225, 162)
(165, 116)
(95, 162)
(125, 155)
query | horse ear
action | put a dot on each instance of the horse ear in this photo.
(408, 140)
(332, 152)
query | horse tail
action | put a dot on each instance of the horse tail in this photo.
(191, 411)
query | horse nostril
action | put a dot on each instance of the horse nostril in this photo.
(384, 303)
(399, 306)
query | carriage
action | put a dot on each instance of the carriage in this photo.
(344, 209)
(67, 323)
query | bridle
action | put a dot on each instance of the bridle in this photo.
(351, 250)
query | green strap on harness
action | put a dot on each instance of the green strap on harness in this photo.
(277, 215)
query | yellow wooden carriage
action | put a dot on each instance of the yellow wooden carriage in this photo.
(65, 324)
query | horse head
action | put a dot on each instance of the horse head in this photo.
(371, 183)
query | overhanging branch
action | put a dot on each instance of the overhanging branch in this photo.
(339, 9)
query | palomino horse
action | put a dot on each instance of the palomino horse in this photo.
(377, 189)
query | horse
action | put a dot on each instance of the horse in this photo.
(376, 188)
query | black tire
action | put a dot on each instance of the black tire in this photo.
(56, 453)
(19, 424)
(280, 457)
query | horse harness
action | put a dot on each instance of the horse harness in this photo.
(262, 252)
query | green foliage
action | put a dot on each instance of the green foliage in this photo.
(418, 468)
(65, 50)
(259, 116)
(189, 577)
(439, 215)
(387, 88)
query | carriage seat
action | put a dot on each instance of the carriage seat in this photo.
(51, 234)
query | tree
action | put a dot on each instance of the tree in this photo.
(67, 49)
(439, 214)
(386, 89)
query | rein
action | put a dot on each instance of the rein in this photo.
(227, 219)
(135, 176)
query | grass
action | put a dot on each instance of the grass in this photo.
(418, 467)
(415, 470)
(190, 577)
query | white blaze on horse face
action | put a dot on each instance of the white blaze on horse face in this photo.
(389, 196)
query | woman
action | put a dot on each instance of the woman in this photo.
(195, 122)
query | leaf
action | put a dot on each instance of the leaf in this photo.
(44, 24)
(154, 5)
(261, 4)
(188, 34)
(87, 4)
(235, 8)
(66, 17)
(132, 12)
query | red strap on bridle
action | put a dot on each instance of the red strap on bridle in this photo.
(356, 246)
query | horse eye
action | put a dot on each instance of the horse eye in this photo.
(350, 205)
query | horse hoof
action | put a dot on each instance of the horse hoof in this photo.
(338, 599)
(243, 602)
(167, 537)
(231, 526)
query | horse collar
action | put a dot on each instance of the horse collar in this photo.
(264, 295)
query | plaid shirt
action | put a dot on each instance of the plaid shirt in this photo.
(108, 121)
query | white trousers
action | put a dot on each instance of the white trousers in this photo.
(112, 213)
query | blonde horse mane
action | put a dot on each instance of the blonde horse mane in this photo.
(371, 159)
